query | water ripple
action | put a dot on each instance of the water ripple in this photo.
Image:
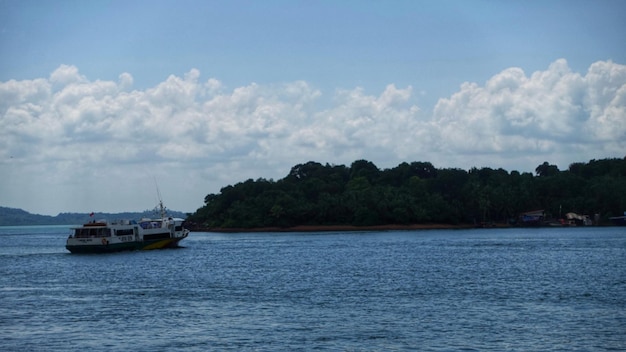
(477, 290)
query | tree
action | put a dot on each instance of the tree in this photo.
(415, 192)
(364, 168)
(546, 169)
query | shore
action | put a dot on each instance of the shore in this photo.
(338, 228)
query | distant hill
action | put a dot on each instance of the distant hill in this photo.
(19, 217)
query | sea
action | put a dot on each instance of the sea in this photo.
(518, 289)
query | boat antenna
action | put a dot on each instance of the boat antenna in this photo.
(162, 210)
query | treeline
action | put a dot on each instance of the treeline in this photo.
(415, 193)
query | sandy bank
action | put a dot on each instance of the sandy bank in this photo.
(307, 228)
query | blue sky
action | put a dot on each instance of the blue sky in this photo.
(432, 45)
(251, 88)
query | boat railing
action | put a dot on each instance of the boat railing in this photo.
(150, 224)
(123, 222)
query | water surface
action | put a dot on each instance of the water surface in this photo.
(560, 289)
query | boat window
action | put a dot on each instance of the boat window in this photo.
(124, 232)
(150, 225)
(86, 233)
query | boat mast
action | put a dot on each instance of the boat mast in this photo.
(162, 210)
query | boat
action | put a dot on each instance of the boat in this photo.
(102, 236)
(619, 220)
(532, 218)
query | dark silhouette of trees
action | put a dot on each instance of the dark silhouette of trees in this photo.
(414, 193)
(546, 169)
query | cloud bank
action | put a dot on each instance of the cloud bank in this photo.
(68, 143)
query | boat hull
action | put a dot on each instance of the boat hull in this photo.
(125, 246)
(618, 220)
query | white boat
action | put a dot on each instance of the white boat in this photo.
(103, 236)
(619, 220)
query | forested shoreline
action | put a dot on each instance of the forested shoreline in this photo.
(314, 194)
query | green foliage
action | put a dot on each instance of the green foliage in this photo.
(362, 194)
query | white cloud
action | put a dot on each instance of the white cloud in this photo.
(552, 114)
(67, 74)
(70, 144)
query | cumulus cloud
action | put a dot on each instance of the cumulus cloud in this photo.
(65, 135)
(552, 113)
